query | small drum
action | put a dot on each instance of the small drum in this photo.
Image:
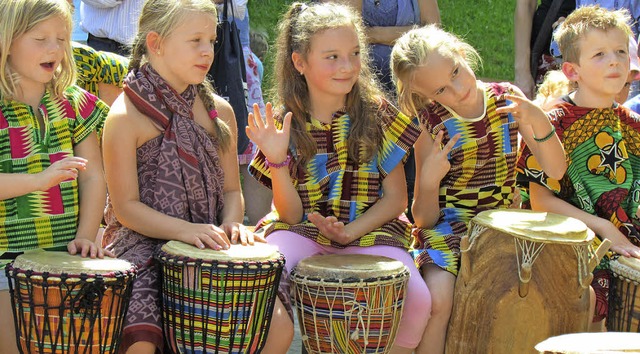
(524, 276)
(218, 301)
(591, 343)
(349, 303)
(624, 296)
(68, 304)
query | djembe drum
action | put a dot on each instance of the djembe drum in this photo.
(218, 301)
(524, 276)
(349, 303)
(624, 296)
(64, 303)
(588, 343)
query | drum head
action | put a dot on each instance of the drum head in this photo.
(609, 342)
(257, 252)
(536, 226)
(362, 266)
(626, 267)
(62, 262)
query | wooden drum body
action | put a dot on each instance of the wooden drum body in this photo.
(69, 304)
(218, 301)
(524, 277)
(624, 297)
(349, 303)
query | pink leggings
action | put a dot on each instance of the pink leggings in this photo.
(417, 304)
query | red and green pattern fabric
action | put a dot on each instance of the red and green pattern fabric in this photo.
(333, 185)
(43, 218)
(482, 174)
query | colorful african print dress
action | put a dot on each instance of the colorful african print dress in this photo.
(97, 67)
(334, 185)
(603, 154)
(44, 218)
(482, 174)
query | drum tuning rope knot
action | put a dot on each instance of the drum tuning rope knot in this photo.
(526, 253)
(360, 312)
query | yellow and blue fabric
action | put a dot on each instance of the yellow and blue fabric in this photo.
(482, 174)
(332, 184)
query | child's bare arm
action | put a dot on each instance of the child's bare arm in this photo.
(92, 192)
(432, 165)
(17, 184)
(538, 133)
(544, 200)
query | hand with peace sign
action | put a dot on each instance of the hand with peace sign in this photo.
(273, 142)
(436, 163)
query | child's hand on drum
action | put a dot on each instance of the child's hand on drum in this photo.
(205, 236)
(620, 244)
(87, 248)
(273, 142)
(238, 231)
(331, 228)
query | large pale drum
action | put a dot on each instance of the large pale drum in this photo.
(591, 343)
(64, 303)
(524, 277)
(349, 303)
(218, 301)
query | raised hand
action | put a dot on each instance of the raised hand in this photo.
(60, 171)
(524, 111)
(236, 231)
(436, 164)
(331, 228)
(273, 142)
(204, 236)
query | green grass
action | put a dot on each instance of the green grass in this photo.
(486, 25)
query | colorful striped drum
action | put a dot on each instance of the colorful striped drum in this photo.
(349, 304)
(218, 301)
(69, 304)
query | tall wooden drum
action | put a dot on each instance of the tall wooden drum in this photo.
(524, 277)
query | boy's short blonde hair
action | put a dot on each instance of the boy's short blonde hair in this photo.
(584, 19)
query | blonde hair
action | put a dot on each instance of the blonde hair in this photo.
(162, 17)
(554, 86)
(412, 51)
(584, 19)
(18, 17)
(296, 30)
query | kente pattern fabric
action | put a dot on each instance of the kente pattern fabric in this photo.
(179, 174)
(95, 67)
(603, 154)
(482, 174)
(332, 184)
(603, 149)
(28, 145)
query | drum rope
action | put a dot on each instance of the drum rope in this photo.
(526, 253)
(360, 311)
(475, 231)
(583, 253)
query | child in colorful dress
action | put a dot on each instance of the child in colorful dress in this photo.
(333, 152)
(600, 137)
(170, 159)
(478, 123)
(52, 188)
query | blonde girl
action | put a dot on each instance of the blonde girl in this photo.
(170, 158)
(333, 154)
(52, 188)
(465, 156)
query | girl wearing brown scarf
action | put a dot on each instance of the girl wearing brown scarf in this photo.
(170, 159)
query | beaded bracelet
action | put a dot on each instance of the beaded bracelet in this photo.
(278, 165)
(547, 137)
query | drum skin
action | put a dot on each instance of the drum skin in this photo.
(624, 298)
(489, 314)
(585, 343)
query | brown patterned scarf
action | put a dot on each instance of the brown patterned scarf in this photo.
(189, 179)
